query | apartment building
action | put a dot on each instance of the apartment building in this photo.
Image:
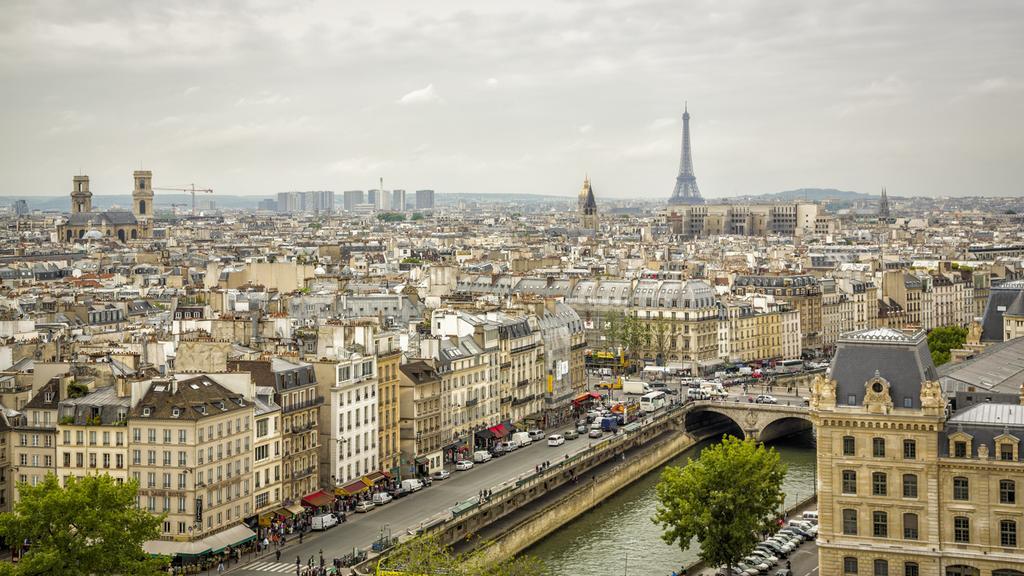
(389, 357)
(803, 292)
(521, 367)
(348, 417)
(191, 452)
(267, 477)
(92, 434)
(295, 391)
(34, 435)
(423, 432)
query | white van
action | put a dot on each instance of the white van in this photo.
(323, 522)
(481, 456)
(412, 484)
(556, 440)
(522, 438)
(381, 498)
(810, 516)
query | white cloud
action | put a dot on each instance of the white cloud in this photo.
(356, 165)
(423, 95)
(190, 91)
(585, 129)
(662, 123)
(994, 86)
(263, 98)
(71, 121)
(492, 82)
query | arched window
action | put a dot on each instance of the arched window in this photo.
(135, 234)
(69, 235)
(120, 235)
(911, 569)
(142, 206)
(1007, 572)
(961, 570)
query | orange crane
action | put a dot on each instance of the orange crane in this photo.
(192, 189)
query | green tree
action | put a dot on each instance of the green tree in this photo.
(943, 339)
(417, 216)
(613, 328)
(659, 330)
(427, 556)
(391, 217)
(91, 526)
(726, 499)
(77, 390)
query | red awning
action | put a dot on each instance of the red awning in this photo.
(500, 431)
(377, 477)
(318, 499)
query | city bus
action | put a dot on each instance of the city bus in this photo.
(652, 401)
(794, 365)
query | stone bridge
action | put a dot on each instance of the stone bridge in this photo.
(763, 422)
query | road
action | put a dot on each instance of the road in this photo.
(400, 515)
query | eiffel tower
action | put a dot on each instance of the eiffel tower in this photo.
(686, 191)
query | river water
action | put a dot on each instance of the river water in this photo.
(617, 536)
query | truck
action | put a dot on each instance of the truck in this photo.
(609, 424)
(522, 438)
(412, 484)
(713, 390)
(635, 387)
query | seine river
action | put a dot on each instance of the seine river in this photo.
(618, 537)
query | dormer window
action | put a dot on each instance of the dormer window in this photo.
(175, 412)
(960, 445)
(146, 411)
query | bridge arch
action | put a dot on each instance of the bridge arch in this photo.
(762, 422)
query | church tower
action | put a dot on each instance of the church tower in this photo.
(81, 197)
(142, 197)
(587, 206)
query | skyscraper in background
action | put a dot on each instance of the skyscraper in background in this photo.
(424, 199)
(398, 200)
(352, 198)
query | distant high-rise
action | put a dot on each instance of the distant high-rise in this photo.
(353, 198)
(424, 199)
(313, 202)
(686, 191)
(20, 208)
(587, 206)
(374, 197)
(398, 200)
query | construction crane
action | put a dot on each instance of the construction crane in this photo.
(191, 189)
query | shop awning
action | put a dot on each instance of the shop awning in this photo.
(501, 430)
(377, 477)
(233, 536)
(295, 508)
(353, 488)
(318, 499)
(171, 548)
(421, 461)
(485, 434)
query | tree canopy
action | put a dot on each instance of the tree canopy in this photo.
(91, 526)
(943, 339)
(426, 555)
(726, 499)
(391, 217)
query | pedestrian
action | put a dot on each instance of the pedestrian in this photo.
(277, 555)
(220, 567)
(300, 537)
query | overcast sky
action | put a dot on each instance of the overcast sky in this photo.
(922, 96)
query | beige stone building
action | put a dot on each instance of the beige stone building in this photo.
(191, 452)
(267, 453)
(423, 432)
(389, 358)
(904, 488)
(803, 292)
(92, 434)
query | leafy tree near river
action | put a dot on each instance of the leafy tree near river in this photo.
(726, 499)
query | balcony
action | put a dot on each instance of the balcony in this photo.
(472, 402)
(296, 406)
(300, 474)
(304, 428)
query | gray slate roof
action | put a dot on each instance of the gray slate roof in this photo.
(902, 359)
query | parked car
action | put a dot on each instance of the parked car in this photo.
(596, 432)
(481, 456)
(570, 434)
(581, 429)
(412, 484)
(381, 498)
(765, 399)
(441, 474)
(364, 506)
(556, 440)
(463, 464)
(400, 492)
(536, 434)
(497, 451)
